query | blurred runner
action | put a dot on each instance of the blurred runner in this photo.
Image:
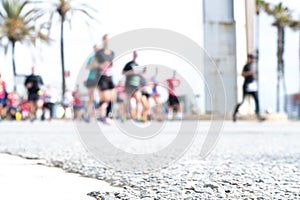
(173, 102)
(33, 84)
(91, 82)
(132, 84)
(104, 59)
(145, 95)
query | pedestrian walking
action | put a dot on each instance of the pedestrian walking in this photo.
(250, 87)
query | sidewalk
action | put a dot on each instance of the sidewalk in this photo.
(25, 179)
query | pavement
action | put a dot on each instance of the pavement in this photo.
(30, 179)
(251, 160)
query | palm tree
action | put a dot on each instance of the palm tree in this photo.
(261, 5)
(282, 19)
(18, 24)
(66, 9)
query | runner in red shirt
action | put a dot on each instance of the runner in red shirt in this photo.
(173, 102)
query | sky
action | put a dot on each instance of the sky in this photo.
(114, 20)
(117, 16)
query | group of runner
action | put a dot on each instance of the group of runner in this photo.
(13, 107)
(40, 101)
(133, 96)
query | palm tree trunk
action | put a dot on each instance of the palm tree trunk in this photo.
(280, 49)
(62, 57)
(285, 100)
(14, 63)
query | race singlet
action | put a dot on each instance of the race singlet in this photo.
(135, 80)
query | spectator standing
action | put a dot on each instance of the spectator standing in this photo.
(77, 103)
(50, 99)
(68, 101)
(13, 102)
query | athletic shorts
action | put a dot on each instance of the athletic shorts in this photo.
(12, 109)
(33, 97)
(155, 92)
(129, 89)
(77, 107)
(90, 83)
(2, 101)
(120, 100)
(173, 100)
(106, 83)
(146, 94)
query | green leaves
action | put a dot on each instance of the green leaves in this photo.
(282, 15)
(18, 22)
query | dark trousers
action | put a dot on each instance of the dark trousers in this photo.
(255, 97)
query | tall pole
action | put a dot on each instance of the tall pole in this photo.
(257, 34)
(252, 24)
(62, 57)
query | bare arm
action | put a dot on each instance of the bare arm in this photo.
(93, 64)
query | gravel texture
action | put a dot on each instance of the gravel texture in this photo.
(251, 161)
